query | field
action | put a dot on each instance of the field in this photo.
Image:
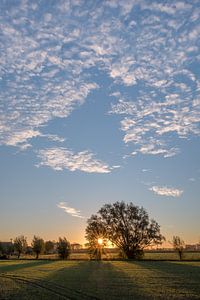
(112, 254)
(75, 279)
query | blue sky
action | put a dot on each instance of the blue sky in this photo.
(100, 102)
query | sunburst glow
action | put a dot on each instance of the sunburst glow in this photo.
(100, 241)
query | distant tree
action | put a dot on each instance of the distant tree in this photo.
(37, 245)
(178, 245)
(20, 244)
(29, 250)
(127, 226)
(48, 246)
(64, 248)
(6, 249)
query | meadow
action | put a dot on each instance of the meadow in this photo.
(112, 254)
(84, 279)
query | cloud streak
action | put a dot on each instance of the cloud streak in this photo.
(166, 191)
(70, 210)
(61, 158)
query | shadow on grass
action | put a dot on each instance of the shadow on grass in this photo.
(12, 266)
(97, 280)
(178, 268)
(182, 277)
(111, 280)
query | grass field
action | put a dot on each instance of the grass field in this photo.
(147, 256)
(110, 255)
(99, 280)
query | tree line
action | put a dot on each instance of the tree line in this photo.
(126, 226)
(38, 246)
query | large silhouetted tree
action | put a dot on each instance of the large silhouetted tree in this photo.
(20, 244)
(125, 225)
(37, 245)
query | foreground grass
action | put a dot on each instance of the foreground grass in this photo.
(99, 280)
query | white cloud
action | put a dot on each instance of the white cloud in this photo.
(166, 191)
(192, 179)
(46, 68)
(148, 123)
(155, 149)
(70, 210)
(54, 138)
(55, 100)
(62, 158)
(19, 138)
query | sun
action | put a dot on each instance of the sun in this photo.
(100, 241)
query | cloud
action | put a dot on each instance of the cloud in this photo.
(166, 191)
(192, 179)
(148, 123)
(155, 149)
(54, 137)
(158, 65)
(20, 138)
(70, 210)
(49, 54)
(62, 158)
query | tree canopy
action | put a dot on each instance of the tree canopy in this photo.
(127, 226)
(37, 245)
(20, 244)
(48, 246)
(64, 248)
(178, 245)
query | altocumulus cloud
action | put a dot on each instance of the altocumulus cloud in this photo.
(70, 210)
(166, 191)
(48, 53)
(62, 158)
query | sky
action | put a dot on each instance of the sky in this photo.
(99, 102)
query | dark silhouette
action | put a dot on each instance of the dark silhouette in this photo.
(64, 248)
(37, 245)
(20, 244)
(6, 249)
(178, 245)
(49, 247)
(125, 225)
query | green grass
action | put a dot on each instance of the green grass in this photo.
(83, 255)
(99, 280)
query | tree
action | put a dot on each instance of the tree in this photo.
(95, 232)
(49, 247)
(20, 244)
(178, 245)
(64, 248)
(1, 248)
(6, 249)
(127, 226)
(37, 245)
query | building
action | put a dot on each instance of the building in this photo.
(193, 247)
(76, 246)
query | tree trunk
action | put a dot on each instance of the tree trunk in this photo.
(180, 254)
(134, 254)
